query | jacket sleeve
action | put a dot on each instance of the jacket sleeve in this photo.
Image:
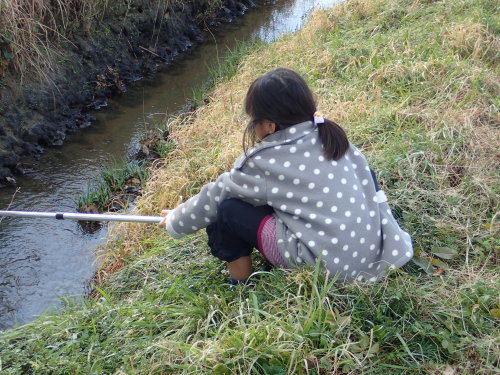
(245, 182)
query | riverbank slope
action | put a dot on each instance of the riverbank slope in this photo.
(415, 84)
(63, 60)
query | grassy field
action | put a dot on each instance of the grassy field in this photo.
(415, 85)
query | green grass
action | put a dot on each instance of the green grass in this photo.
(109, 191)
(415, 85)
(163, 313)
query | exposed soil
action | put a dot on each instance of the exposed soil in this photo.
(94, 67)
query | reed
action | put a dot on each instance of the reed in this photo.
(30, 31)
(35, 35)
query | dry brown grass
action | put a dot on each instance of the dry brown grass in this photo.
(34, 28)
(356, 9)
(36, 32)
(472, 40)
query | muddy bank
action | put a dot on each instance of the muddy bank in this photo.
(92, 66)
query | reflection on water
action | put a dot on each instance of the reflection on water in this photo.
(41, 259)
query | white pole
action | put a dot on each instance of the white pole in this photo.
(84, 216)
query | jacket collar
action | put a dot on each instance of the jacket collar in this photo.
(281, 137)
(287, 135)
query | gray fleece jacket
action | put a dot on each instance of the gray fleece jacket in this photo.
(324, 209)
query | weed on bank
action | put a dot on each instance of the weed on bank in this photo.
(415, 85)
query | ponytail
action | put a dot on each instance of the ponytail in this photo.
(334, 140)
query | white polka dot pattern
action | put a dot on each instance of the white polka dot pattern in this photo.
(326, 208)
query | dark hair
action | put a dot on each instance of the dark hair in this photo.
(283, 97)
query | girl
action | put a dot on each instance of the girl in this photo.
(299, 192)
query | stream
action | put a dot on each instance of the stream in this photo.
(43, 261)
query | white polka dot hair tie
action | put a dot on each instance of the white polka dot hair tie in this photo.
(319, 118)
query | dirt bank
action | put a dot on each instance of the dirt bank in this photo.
(94, 65)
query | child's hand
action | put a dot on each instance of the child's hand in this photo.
(163, 223)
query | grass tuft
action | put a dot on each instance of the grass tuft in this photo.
(119, 184)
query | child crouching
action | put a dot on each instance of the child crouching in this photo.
(299, 192)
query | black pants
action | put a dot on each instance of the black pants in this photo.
(234, 234)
